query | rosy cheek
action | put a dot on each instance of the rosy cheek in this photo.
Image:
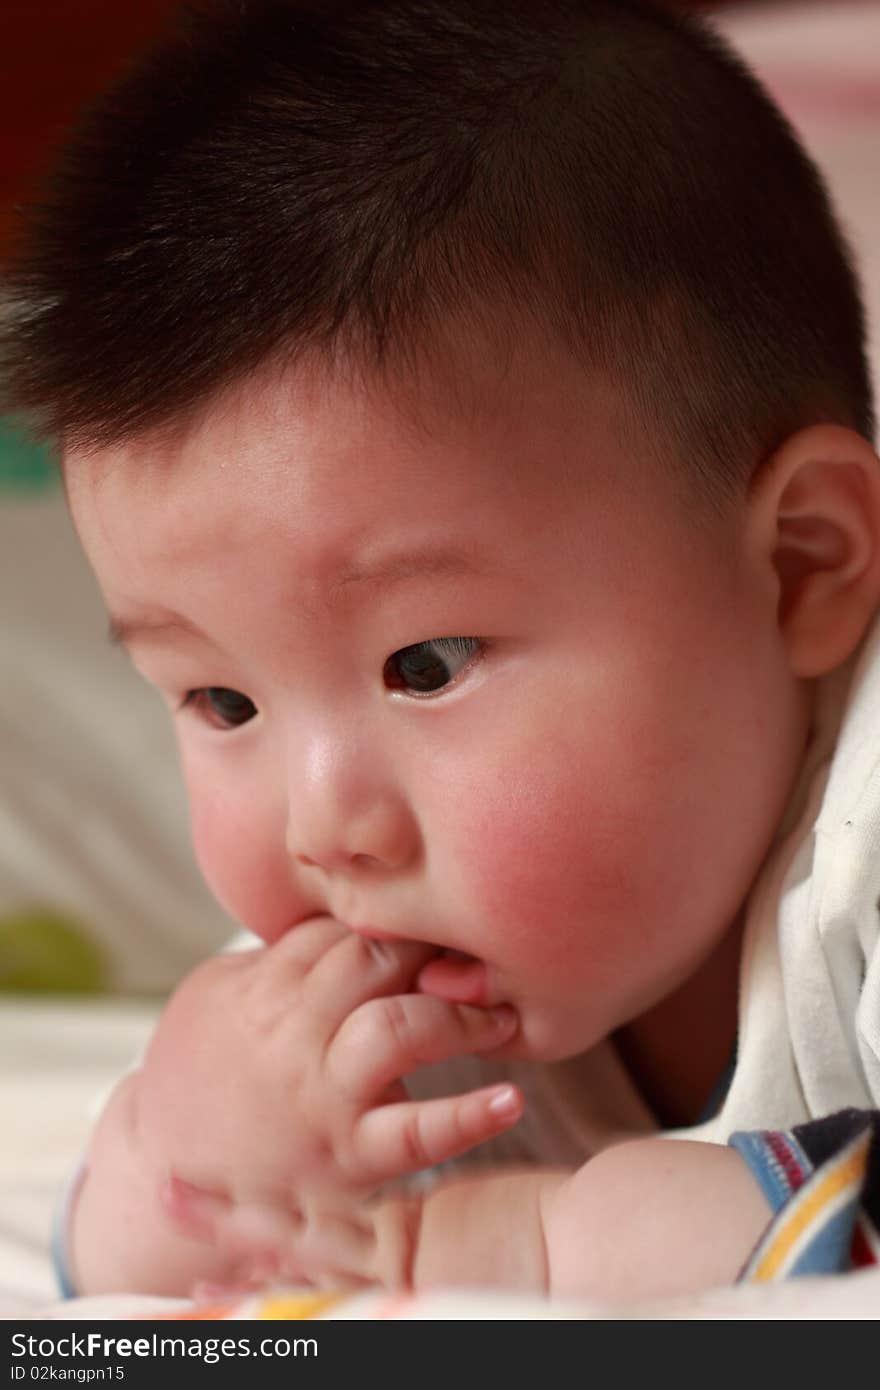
(241, 865)
(527, 868)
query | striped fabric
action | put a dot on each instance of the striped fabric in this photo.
(822, 1181)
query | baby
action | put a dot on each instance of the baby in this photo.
(464, 409)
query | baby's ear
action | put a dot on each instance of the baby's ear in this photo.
(816, 504)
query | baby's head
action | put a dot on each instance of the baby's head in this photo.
(468, 402)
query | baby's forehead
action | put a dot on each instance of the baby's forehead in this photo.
(462, 382)
(469, 422)
(322, 494)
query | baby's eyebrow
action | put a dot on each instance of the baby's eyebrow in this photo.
(428, 562)
(121, 632)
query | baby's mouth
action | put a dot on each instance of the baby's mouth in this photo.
(455, 976)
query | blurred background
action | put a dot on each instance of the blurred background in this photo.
(101, 906)
(98, 892)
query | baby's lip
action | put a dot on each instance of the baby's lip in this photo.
(456, 977)
(377, 934)
(450, 974)
(373, 933)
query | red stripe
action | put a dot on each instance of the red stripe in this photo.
(860, 1251)
(786, 1158)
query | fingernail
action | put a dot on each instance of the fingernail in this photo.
(505, 1101)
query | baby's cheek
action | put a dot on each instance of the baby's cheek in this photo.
(241, 868)
(536, 873)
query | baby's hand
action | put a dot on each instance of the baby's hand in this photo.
(271, 1094)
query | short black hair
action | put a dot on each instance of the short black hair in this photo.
(287, 175)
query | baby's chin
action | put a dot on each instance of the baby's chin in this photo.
(539, 1041)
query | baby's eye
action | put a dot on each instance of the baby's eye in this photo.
(429, 666)
(226, 708)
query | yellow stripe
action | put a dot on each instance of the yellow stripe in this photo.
(282, 1307)
(847, 1171)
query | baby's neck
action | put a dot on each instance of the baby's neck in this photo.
(676, 1077)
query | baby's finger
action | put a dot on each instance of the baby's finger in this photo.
(260, 1271)
(388, 1038)
(337, 1249)
(299, 949)
(394, 1140)
(357, 969)
(194, 1211)
(248, 1227)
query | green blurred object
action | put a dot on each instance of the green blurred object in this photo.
(24, 467)
(44, 951)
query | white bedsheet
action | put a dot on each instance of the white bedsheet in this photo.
(57, 1060)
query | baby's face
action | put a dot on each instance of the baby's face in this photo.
(471, 678)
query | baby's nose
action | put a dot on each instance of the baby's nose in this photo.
(379, 836)
(346, 809)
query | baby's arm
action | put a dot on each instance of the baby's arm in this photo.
(647, 1218)
(269, 1101)
(661, 1217)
